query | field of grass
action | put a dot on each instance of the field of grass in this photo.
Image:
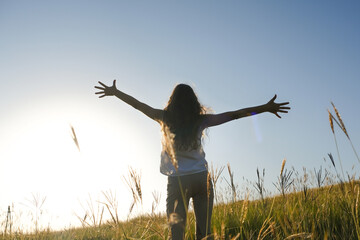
(330, 210)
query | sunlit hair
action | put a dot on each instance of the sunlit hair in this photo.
(182, 119)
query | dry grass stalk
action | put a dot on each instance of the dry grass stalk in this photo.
(331, 121)
(340, 120)
(259, 185)
(266, 228)
(342, 126)
(83, 219)
(111, 205)
(236, 237)
(331, 159)
(222, 231)
(284, 180)
(95, 216)
(282, 166)
(74, 137)
(134, 184)
(231, 184)
(355, 211)
(215, 175)
(244, 209)
(320, 179)
(92, 217)
(146, 229)
(8, 222)
(305, 187)
(36, 205)
(156, 196)
(303, 235)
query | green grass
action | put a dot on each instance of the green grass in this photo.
(330, 212)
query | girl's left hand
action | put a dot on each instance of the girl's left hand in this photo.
(276, 108)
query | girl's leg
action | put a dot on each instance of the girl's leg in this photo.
(177, 203)
(203, 204)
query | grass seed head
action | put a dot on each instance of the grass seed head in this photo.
(134, 183)
(332, 159)
(340, 120)
(74, 137)
(331, 121)
(282, 166)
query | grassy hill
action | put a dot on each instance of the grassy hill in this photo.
(329, 212)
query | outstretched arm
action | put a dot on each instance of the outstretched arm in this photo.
(155, 114)
(272, 107)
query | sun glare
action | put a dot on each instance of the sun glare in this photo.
(44, 160)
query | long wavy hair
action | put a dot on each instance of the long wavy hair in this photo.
(182, 118)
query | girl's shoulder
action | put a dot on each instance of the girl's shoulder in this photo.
(203, 121)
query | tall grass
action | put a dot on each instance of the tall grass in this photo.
(328, 212)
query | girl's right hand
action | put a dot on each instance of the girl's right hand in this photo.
(106, 90)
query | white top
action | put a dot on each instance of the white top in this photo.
(189, 162)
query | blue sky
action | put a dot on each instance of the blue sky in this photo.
(235, 54)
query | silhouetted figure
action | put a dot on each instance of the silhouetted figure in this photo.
(182, 159)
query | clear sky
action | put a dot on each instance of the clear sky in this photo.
(234, 53)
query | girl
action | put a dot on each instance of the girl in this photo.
(182, 159)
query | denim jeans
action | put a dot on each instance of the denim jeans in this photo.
(179, 191)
